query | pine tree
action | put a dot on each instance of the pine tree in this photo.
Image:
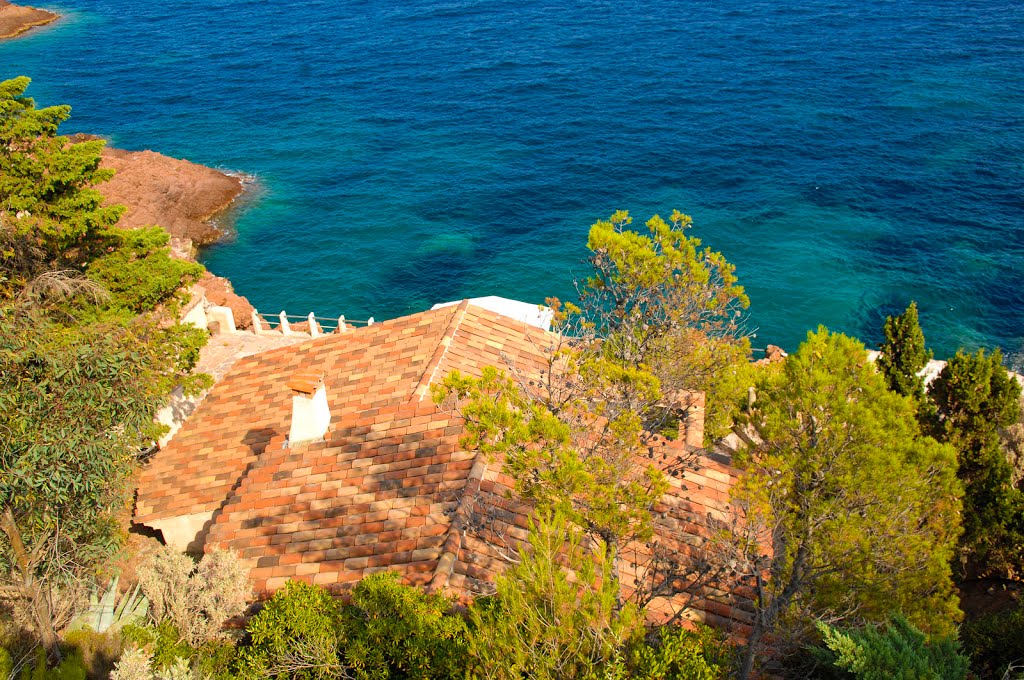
(860, 511)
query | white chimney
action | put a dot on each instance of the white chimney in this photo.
(310, 413)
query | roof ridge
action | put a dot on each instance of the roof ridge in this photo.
(459, 524)
(423, 386)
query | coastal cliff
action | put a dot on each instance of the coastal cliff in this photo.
(178, 195)
(183, 198)
(16, 19)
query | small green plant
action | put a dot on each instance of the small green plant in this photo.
(139, 272)
(679, 654)
(6, 664)
(899, 651)
(71, 667)
(296, 635)
(394, 630)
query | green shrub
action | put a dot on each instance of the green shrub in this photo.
(394, 630)
(138, 270)
(897, 652)
(99, 651)
(166, 653)
(295, 635)
(215, 660)
(71, 667)
(169, 646)
(679, 654)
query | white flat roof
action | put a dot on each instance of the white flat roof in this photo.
(538, 316)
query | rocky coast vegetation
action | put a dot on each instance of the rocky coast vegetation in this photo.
(868, 502)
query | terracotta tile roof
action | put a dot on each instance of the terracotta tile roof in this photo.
(389, 487)
(370, 374)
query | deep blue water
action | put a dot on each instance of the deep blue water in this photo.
(847, 156)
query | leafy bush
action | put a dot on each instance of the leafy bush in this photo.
(897, 652)
(680, 654)
(99, 651)
(194, 599)
(138, 270)
(388, 631)
(393, 630)
(165, 652)
(295, 635)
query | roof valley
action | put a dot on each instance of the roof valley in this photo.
(423, 387)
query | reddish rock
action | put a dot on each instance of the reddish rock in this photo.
(178, 195)
(219, 292)
(15, 19)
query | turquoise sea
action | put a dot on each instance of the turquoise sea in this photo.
(847, 156)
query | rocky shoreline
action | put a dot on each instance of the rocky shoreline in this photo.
(182, 197)
(16, 19)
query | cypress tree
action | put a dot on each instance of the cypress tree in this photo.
(974, 396)
(904, 354)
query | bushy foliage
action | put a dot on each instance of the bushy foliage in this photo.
(71, 667)
(138, 271)
(297, 634)
(676, 653)
(389, 630)
(393, 630)
(195, 599)
(46, 182)
(898, 651)
(974, 397)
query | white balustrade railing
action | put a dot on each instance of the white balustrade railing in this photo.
(280, 323)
